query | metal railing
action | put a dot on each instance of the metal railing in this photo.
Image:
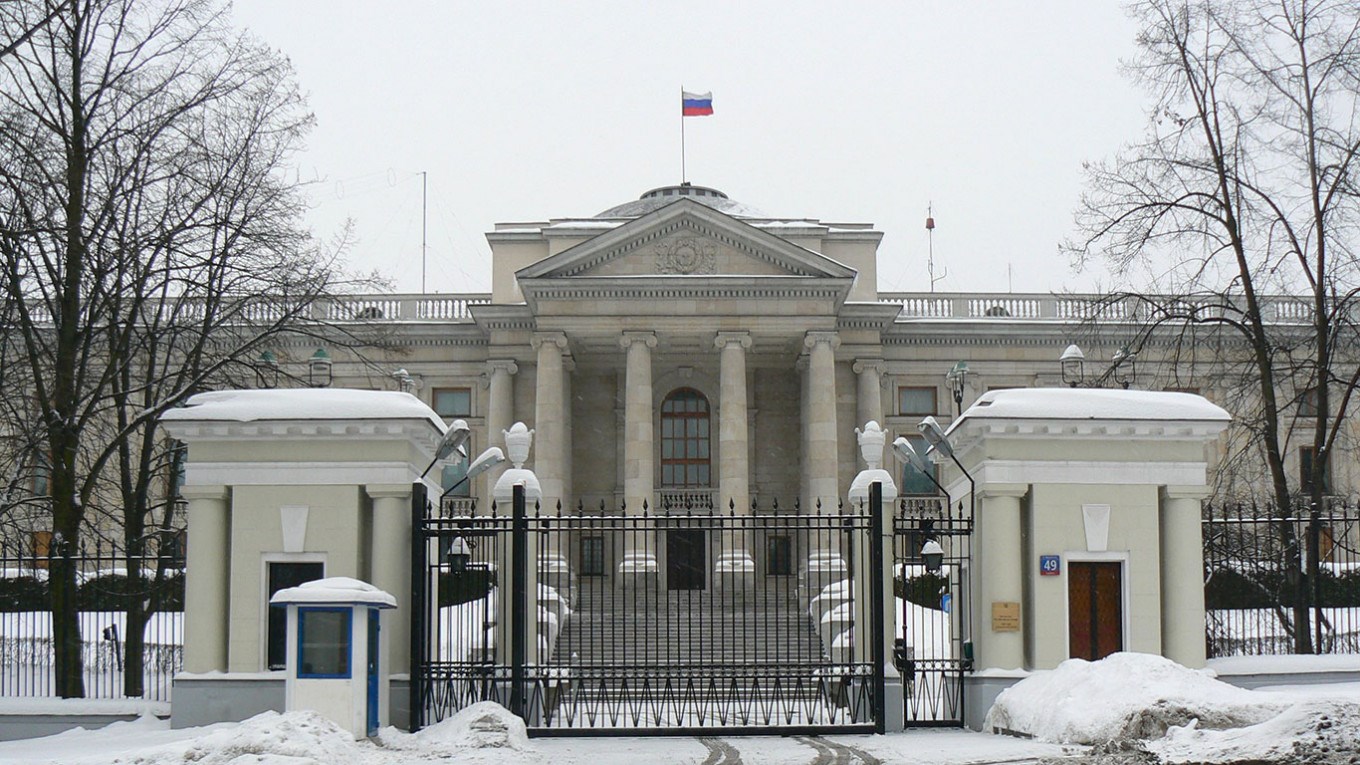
(1281, 583)
(129, 616)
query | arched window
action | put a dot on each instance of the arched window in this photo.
(684, 440)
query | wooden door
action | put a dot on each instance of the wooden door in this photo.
(1095, 609)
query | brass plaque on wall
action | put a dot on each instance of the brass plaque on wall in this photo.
(1005, 616)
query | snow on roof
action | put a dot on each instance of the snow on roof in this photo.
(1093, 404)
(336, 589)
(304, 404)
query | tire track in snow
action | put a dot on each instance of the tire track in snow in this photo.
(720, 752)
(832, 753)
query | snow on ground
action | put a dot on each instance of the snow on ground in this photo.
(486, 734)
(1170, 714)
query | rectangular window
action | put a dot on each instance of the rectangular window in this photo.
(913, 480)
(179, 458)
(778, 555)
(324, 642)
(283, 575)
(1308, 403)
(1306, 459)
(42, 475)
(452, 402)
(916, 401)
(592, 556)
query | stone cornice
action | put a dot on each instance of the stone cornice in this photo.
(422, 433)
(502, 317)
(656, 288)
(973, 430)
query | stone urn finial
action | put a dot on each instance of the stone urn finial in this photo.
(517, 440)
(871, 441)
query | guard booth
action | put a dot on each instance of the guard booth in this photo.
(334, 663)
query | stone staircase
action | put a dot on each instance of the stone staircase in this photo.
(611, 627)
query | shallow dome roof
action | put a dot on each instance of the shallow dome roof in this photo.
(660, 197)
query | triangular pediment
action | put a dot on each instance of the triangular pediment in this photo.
(686, 239)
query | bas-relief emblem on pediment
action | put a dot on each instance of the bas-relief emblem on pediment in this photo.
(686, 255)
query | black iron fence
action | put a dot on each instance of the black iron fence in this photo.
(129, 613)
(642, 622)
(1281, 582)
(930, 582)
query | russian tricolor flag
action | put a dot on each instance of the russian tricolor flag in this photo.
(696, 104)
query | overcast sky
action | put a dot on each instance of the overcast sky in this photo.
(861, 112)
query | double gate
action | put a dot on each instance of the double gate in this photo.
(674, 621)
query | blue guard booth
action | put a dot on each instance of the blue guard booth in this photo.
(335, 652)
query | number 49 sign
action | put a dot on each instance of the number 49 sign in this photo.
(1050, 565)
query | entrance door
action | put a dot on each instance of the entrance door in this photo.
(373, 644)
(1095, 609)
(685, 559)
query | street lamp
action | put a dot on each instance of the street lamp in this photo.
(267, 370)
(939, 442)
(957, 377)
(459, 555)
(319, 369)
(932, 555)
(1073, 363)
(907, 453)
(488, 459)
(1122, 369)
(408, 382)
(455, 436)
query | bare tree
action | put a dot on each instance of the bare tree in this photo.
(1244, 186)
(150, 242)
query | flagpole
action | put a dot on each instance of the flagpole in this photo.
(682, 134)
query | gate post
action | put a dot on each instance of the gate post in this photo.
(418, 605)
(880, 632)
(519, 603)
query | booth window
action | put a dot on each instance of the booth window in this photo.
(324, 642)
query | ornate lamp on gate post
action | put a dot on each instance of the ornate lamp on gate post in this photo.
(319, 369)
(1123, 368)
(957, 378)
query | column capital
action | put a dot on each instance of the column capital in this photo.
(502, 365)
(192, 492)
(724, 339)
(539, 339)
(862, 366)
(628, 337)
(388, 490)
(1013, 490)
(568, 363)
(831, 338)
(1196, 493)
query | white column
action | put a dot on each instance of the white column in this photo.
(1181, 572)
(869, 401)
(500, 413)
(638, 435)
(208, 569)
(820, 425)
(639, 558)
(390, 556)
(734, 476)
(568, 487)
(999, 570)
(734, 566)
(549, 423)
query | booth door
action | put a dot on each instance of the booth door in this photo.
(372, 686)
(1095, 613)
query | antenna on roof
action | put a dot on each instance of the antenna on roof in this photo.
(930, 257)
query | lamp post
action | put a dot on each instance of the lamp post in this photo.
(408, 382)
(319, 369)
(267, 370)
(957, 378)
(1122, 369)
(939, 442)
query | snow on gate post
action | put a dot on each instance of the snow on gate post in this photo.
(1087, 533)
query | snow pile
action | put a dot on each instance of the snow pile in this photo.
(484, 725)
(1124, 697)
(270, 738)
(1312, 732)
